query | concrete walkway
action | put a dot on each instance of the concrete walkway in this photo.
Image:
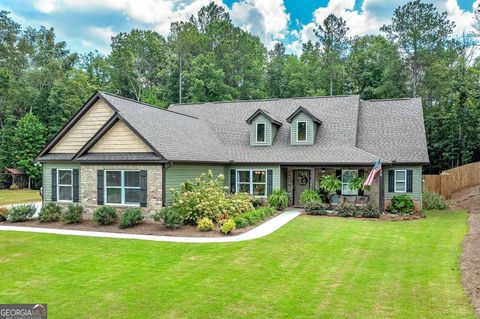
(262, 230)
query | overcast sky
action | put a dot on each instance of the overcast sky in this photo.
(88, 25)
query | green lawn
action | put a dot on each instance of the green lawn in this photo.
(311, 268)
(18, 196)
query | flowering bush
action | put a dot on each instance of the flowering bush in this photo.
(206, 197)
(205, 224)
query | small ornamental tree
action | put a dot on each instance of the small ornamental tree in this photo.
(29, 140)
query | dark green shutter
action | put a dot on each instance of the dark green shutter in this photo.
(338, 173)
(76, 186)
(54, 184)
(232, 181)
(361, 173)
(391, 181)
(100, 187)
(143, 188)
(269, 181)
(409, 181)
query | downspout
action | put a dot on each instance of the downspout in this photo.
(165, 166)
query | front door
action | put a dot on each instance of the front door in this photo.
(301, 182)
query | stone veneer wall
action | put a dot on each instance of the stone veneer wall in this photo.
(88, 187)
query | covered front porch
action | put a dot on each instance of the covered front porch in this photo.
(296, 179)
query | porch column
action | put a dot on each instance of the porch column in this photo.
(312, 178)
(381, 193)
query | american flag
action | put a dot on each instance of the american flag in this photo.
(376, 168)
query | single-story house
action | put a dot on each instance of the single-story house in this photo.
(125, 153)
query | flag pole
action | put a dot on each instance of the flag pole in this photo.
(381, 193)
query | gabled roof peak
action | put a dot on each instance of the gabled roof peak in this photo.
(264, 113)
(301, 109)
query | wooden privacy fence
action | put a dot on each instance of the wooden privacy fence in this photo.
(453, 179)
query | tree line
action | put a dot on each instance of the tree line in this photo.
(207, 58)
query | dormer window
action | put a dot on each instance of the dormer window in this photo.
(261, 132)
(301, 131)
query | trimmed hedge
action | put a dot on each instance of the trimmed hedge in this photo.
(105, 215)
(50, 212)
(316, 208)
(20, 213)
(130, 218)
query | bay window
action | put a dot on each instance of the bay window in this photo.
(252, 181)
(122, 187)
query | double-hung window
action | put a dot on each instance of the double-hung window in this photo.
(301, 131)
(400, 181)
(252, 181)
(261, 132)
(65, 185)
(122, 187)
(347, 176)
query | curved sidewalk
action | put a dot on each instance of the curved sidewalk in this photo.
(262, 230)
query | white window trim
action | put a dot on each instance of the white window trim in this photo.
(58, 185)
(348, 170)
(251, 183)
(264, 132)
(306, 132)
(395, 180)
(122, 187)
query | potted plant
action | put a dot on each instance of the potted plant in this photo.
(331, 184)
(357, 184)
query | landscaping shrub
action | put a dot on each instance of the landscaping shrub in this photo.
(14, 187)
(20, 213)
(258, 202)
(433, 201)
(105, 215)
(253, 216)
(130, 218)
(316, 208)
(239, 203)
(73, 215)
(50, 212)
(369, 211)
(170, 216)
(309, 195)
(402, 205)
(345, 210)
(278, 199)
(3, 214)
(205, 224)
(227, 226)
(204, 197)
(241, 222)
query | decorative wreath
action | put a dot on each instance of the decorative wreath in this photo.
(302, 180)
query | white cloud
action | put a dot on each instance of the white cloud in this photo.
(267, 19)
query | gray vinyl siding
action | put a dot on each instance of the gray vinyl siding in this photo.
(269, 134)
(47, 177)
(417, 182)
(180, 173)
(311, 128)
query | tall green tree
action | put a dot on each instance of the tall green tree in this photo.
(420, 31)
(29, 139)
(332, 36)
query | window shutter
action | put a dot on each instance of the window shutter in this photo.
(391, 181)
(143, 188)
(361, 173)
(76, 186)
(233, 181)
(269, 181)
(338, 173)
(54, 185)
(409, 181)
(100, 187)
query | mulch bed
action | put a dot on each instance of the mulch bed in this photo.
(146, 227)
(469, 199)
(388, 217)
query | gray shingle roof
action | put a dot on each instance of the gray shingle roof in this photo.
(56, 157)
(217, 132)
